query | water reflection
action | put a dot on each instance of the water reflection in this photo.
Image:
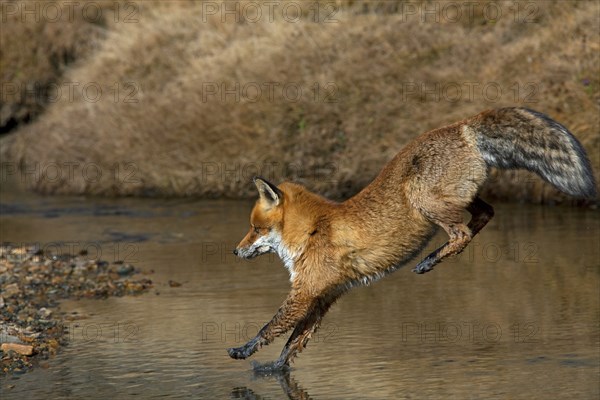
(289, 385)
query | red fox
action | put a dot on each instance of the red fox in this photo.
(329, 247)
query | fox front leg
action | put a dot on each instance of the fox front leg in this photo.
(304, 330)
(297, 341)
(293, 310)
(240, 353)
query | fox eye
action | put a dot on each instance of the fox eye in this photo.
(257, 229)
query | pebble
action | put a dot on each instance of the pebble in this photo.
(11, 290)
(125, 269)
(31, 285)
(6, 338)
(23, 349)
(44, 312)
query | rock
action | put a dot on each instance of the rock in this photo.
(19, 251)
(11, 290)
(74, 316)
(1, 301)
(44, 312)
(23, 349)
(6, 338)
(174, 283)
(125, 269)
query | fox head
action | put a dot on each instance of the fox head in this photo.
(266, 224)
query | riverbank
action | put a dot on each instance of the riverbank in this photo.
(32, 326)
(179, 101)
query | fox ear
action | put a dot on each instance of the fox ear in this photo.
(268, 192)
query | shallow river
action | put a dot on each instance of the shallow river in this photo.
(515, 316)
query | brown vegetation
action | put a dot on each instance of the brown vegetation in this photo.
(373, 75)
(40, 40)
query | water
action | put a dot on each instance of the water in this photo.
(515, 316)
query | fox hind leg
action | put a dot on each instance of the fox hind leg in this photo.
(481, 213)
(460, 236)
(450, 219)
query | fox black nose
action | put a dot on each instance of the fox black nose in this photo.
(235, 252)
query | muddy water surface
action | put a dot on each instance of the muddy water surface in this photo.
(515, 316)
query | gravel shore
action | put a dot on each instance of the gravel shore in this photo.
(32, 327)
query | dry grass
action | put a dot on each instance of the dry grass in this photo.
(40, 40)
(177, 140)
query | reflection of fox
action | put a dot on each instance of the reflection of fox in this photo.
(329, 247)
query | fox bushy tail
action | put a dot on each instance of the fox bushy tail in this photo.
(522, 138)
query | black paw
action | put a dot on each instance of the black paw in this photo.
(240, 353)
(425, 266)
